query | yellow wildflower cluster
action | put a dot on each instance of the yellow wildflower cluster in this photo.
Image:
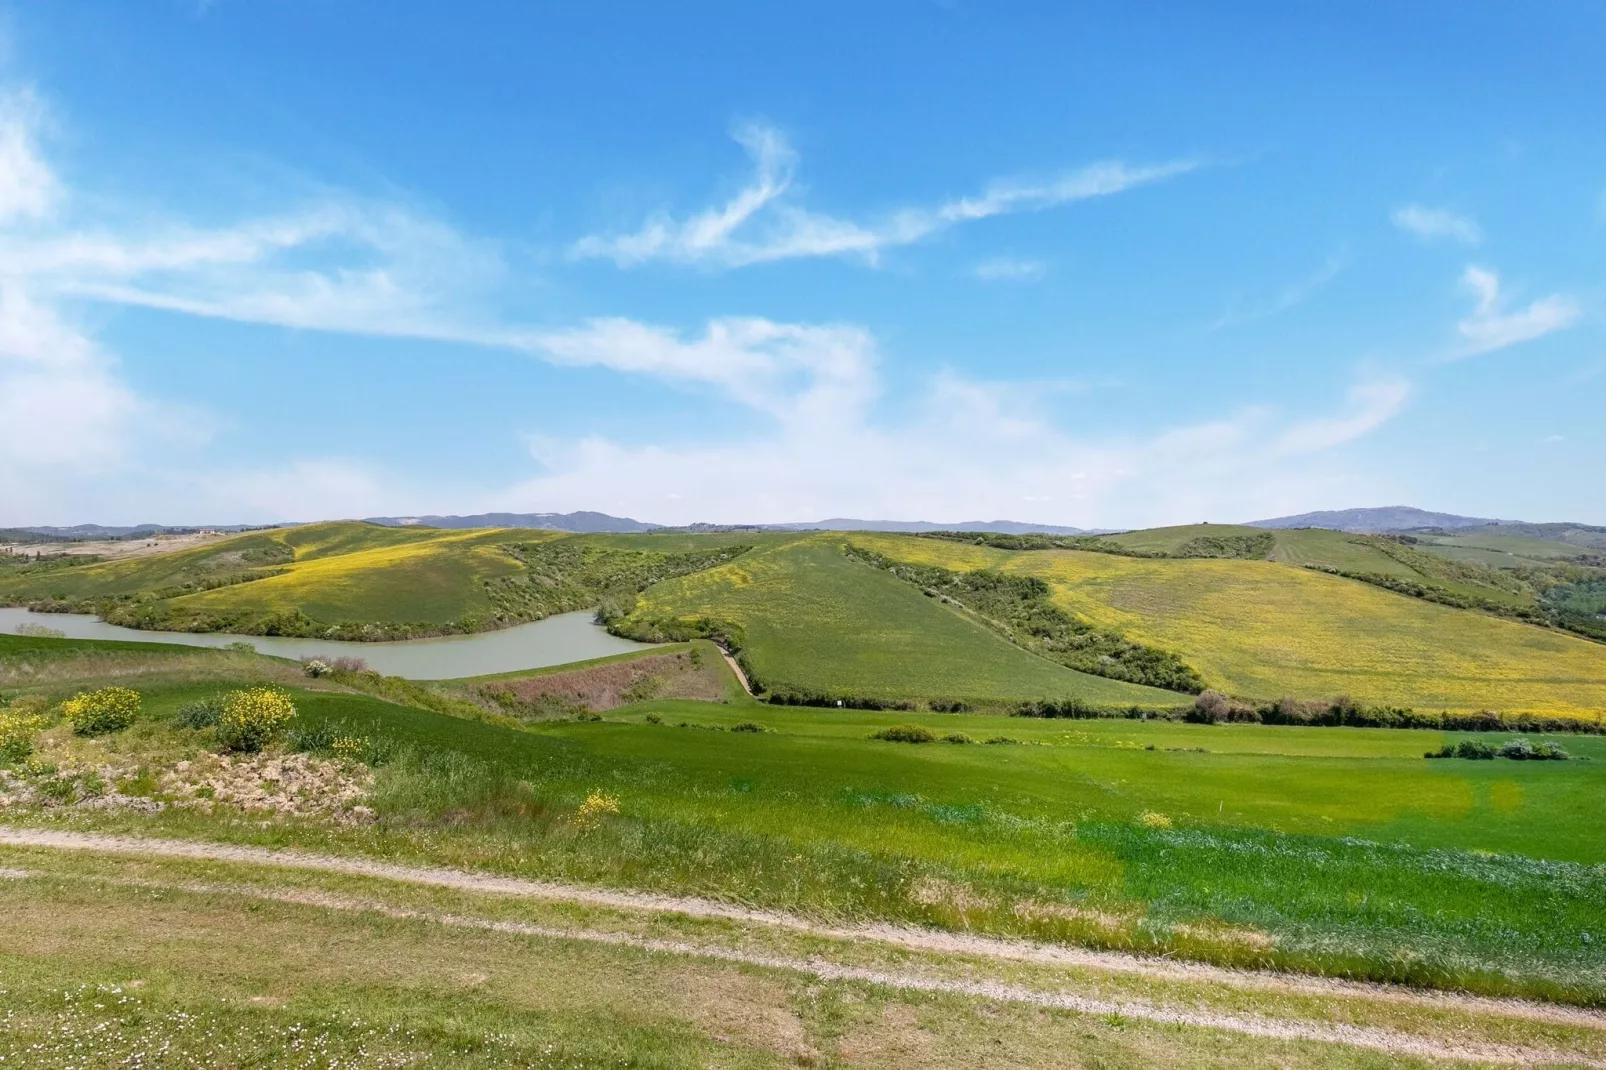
(18, 725)
(595, 806)
(94, 713)
(254, 718)
(348, 749)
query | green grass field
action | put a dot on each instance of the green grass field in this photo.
(813, 620)
(1316, 849)
(1334, 851)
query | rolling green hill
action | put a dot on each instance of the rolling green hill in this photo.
(355, 580)
(814, 622)
(1257, 614)
(1262, 629)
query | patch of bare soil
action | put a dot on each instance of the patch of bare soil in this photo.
(282, 785)
(687, 674)
(292, 785)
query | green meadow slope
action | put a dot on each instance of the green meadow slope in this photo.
(1335, 851)
(813, 621)
(330, 572)
(353, 580)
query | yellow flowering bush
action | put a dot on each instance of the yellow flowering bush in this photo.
(1155, 821)
(594, 808)
(94, 713)
(18, 726)
(254, 718)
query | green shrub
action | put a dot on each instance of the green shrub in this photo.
(957, 737)
(201, 713)
(748, 726)
(252, 719)
(94, 713)
(1519, 749)
(905, 733)
(1522, 750)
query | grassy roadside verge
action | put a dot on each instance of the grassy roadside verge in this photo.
(1065, 836)
(107, 959)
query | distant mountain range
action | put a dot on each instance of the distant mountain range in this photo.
(1385, 518)
(590, 522)
(1389, 518)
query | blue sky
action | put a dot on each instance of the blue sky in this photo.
(1099, 265)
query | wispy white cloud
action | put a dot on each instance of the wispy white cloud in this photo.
(818, 376)
(762, 222)
(1491, 327)
(1370, 405)
(1010, 269)
(1430, 224)
(1291, 296)
(28, 188)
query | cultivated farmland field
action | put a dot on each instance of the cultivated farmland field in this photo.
(1263, 629)
(813, 620)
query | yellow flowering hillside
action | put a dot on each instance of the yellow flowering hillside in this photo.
(1262, 629)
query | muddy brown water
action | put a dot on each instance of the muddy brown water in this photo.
(556, 640)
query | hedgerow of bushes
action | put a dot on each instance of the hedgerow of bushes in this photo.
(1520, 750)
(1213, 707)
(1000, 541)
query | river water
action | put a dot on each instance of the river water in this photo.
(554, 641)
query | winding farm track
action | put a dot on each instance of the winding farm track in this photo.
(1393, 1042)
(741, 677)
